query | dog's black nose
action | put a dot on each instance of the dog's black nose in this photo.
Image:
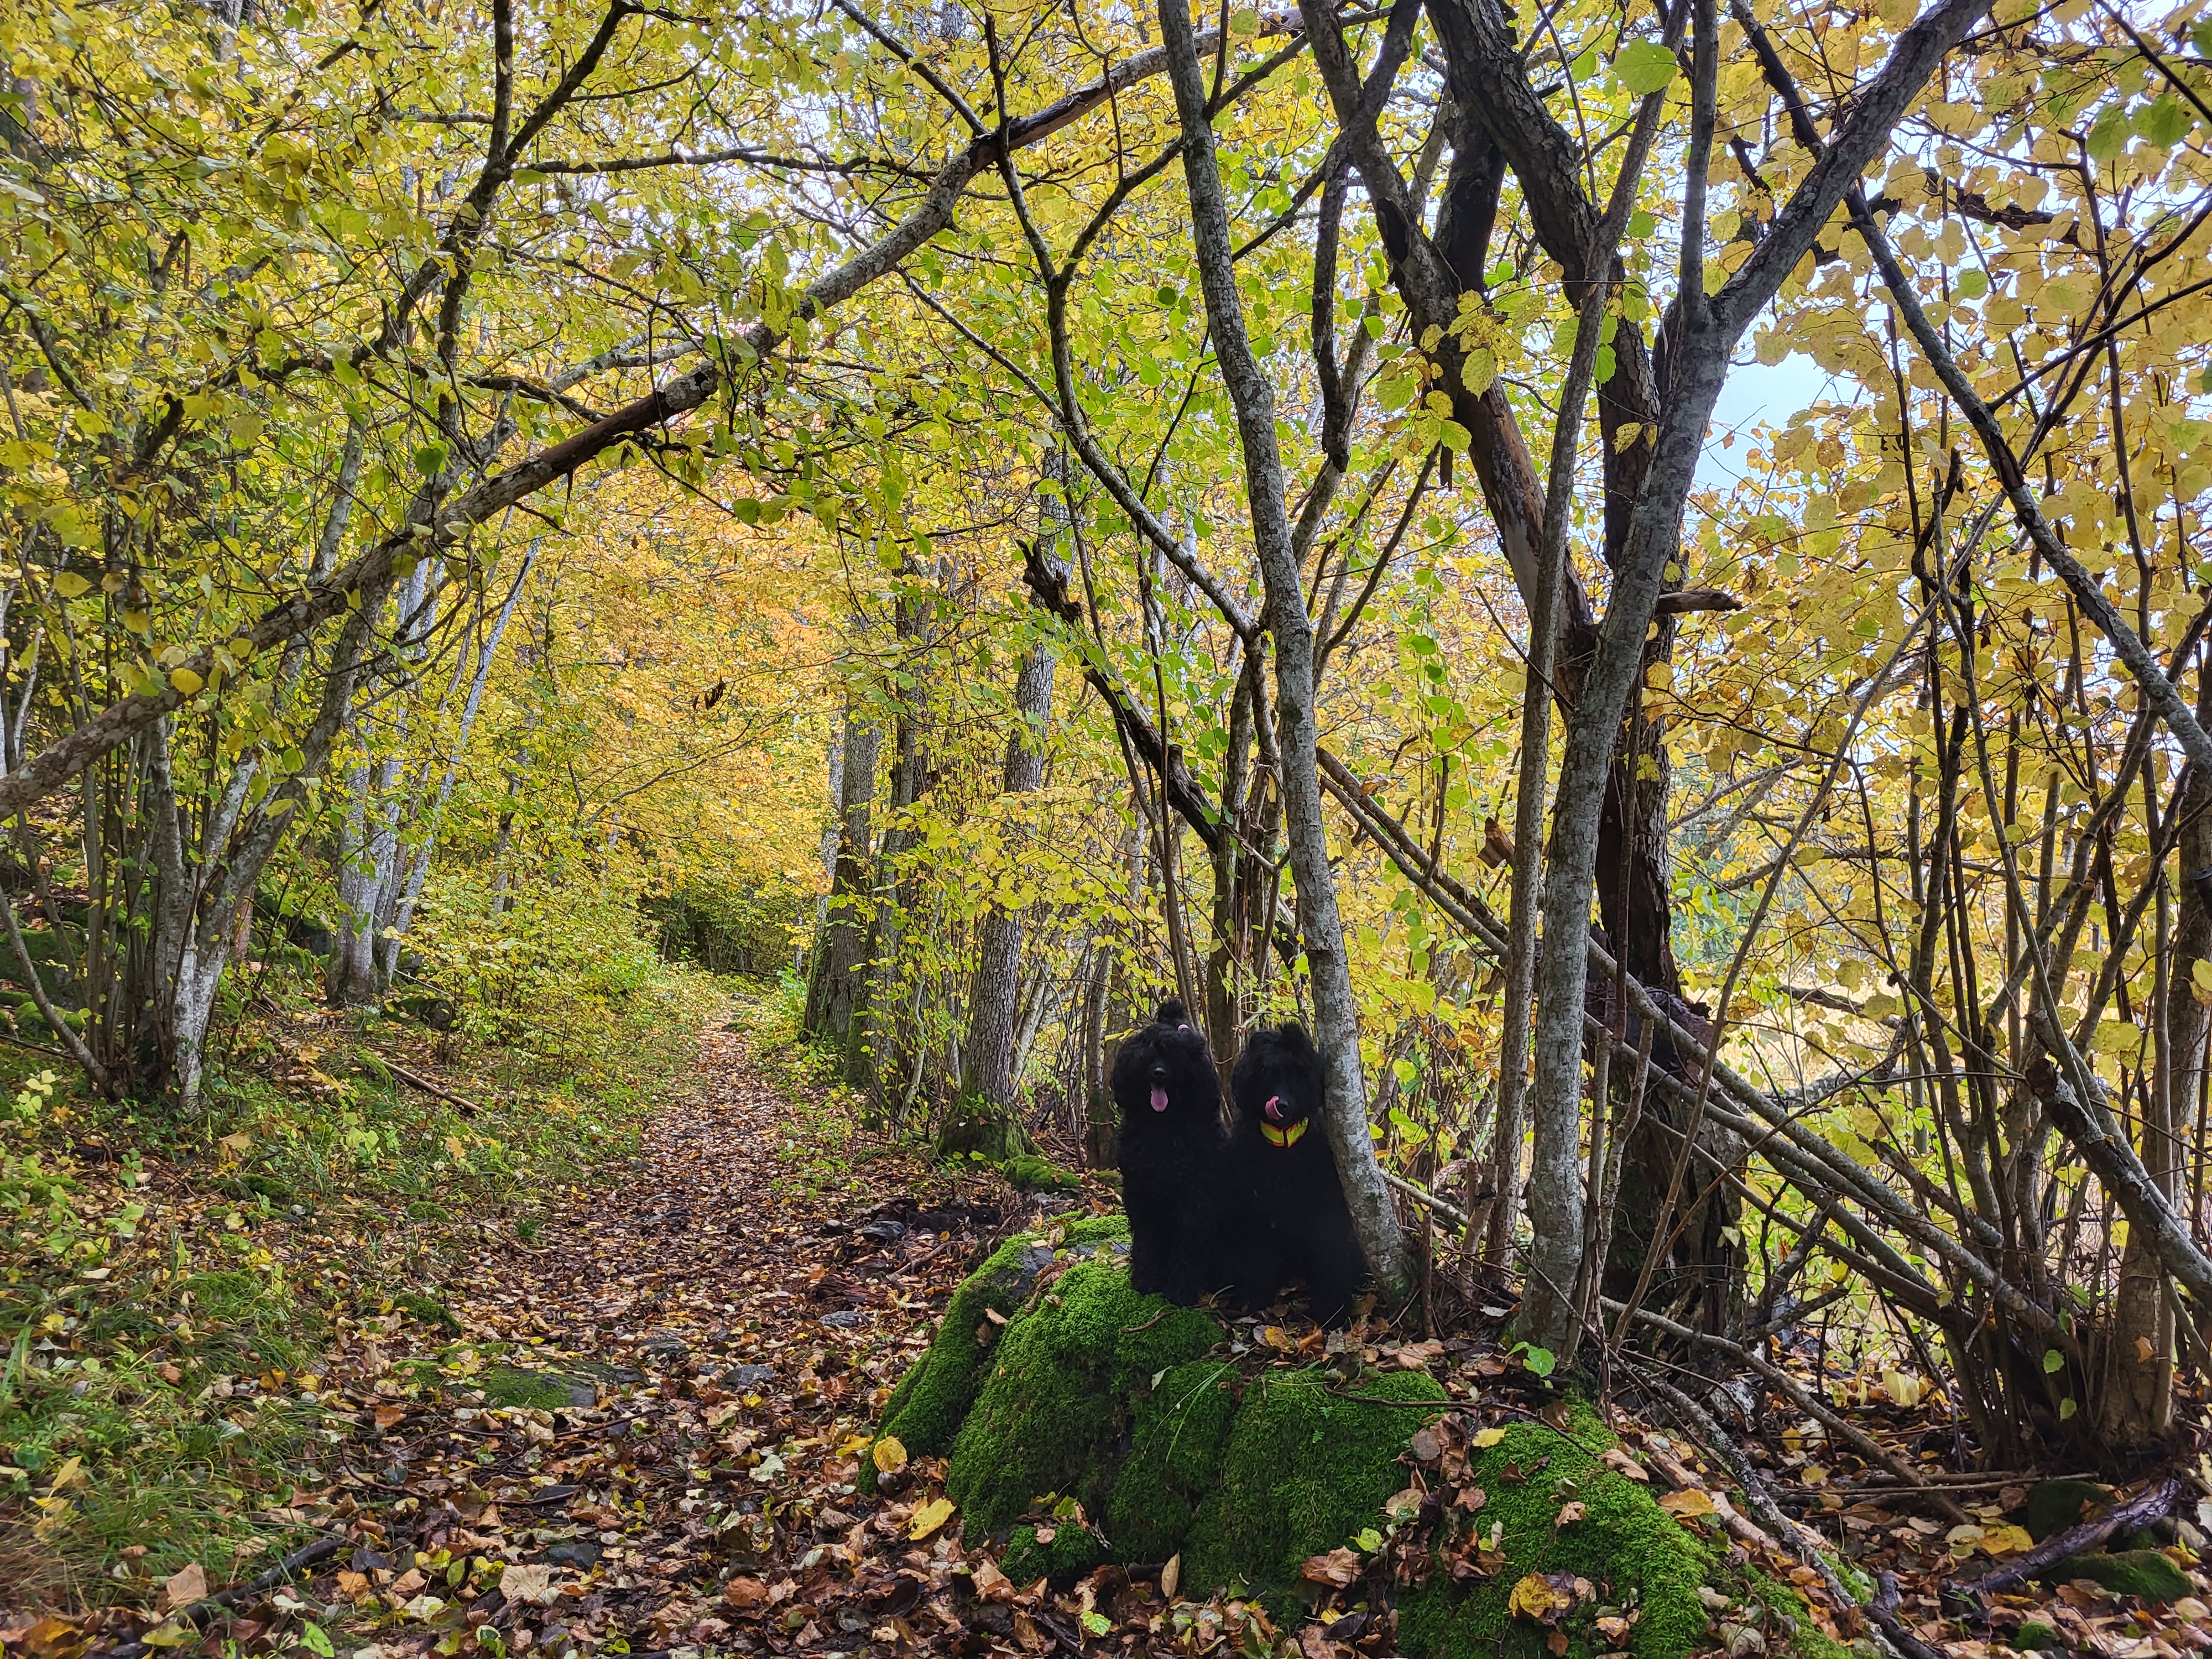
(1159, 1071)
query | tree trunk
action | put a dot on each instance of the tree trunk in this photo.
(987, 1055)
(840, 951)
(1336, 1013)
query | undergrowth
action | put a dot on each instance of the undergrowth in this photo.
(172, 1284)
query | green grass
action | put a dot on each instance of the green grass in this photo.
(144, 1327)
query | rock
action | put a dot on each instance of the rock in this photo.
(2149, 1573)
(581, 1553)
(747, 1376)
(884, 1232)
(2055, 1505)
(844, 1318)
(1138, 1413)
(511, 1385)
(664, 1349)
(1038, 1175)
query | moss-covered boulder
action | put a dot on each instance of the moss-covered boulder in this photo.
(2149, 1573)
(1055, 1410)
(1095, 1424)
(1553, 1506)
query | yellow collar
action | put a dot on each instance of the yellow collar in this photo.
(1284, 1137)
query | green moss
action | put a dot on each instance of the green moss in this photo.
(2148, 1573)
(925, 1411)
(2055, 1505)
(1074, 1551)
(1061, 1394)
(1175, 1459)
(1039, 1175)
(1306, 1468)
(1638, 1555)
(2036, 1637)
(510, 1385)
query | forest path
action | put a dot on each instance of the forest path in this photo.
(648, 1434)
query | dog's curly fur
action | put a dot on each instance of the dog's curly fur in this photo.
(1294, 1224)
(1171, 1152)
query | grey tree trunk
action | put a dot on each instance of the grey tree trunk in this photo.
(1708, 329)
(987, 1056)
(1320, 928)
(841, 951)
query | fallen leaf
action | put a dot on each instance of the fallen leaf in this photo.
(1171, 1576)
(1687, 1502)
(888, 1456)
(185, 1587)
(532, 1585)
(1414, 1356)
(1486, 1436)
(1426, 1447)
(390, 1416)
(929, 1517)
(992, 1584)
(1619, 1461)
(744, 1593)
(1569, 1514)
(1339, 1567)
(1532, 1598)
(1403, 1506)
(352, 1585)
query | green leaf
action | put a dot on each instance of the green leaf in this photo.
(70, 586)
(2052, 1360)
(2163, 121)
(2110, 135)
(1541, 1361)
(1645, 66)
(1971, 285)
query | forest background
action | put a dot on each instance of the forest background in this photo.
(998, 514)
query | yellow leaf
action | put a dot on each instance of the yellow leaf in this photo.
(70, 584)
(2007, 1541)
(69, 1474)
(854, 1443)
(1687, 1502)
(1532, 1598)
(929, 1517)
(185, 681)
(888, 1456)
(1488, 1436)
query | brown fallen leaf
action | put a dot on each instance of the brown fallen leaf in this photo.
(744, 1594)
(1616, 1459)
(1569, 1514)
(184, 1587)
(1171, 1576)
(1339, 1567)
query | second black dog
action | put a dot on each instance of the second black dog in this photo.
(1295, 1224)
(1170, 1150)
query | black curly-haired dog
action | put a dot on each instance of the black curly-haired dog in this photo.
(1171, 1151)
(1294, 1224)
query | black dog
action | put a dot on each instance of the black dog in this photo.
(1294, 1223)
(1171, 1154)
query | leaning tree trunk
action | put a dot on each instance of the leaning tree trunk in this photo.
(1336, 1012)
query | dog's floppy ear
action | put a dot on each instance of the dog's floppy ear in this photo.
(1171, 1013)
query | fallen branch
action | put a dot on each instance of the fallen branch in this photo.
(198, 1613)
(427, 1086)
(1883, 1610)
(2131, 1516)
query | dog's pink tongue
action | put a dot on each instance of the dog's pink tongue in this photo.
(1159, 1098)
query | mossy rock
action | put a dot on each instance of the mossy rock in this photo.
(1072, 1550)
(1175, 1458)
(1306, 1467)
(1141, 1414)
(428, 1310)
(510, 1385)
(1039, 1175)
(2149, 1573)
(2036, 1637)
(926, 1408)
(1061, 1397)
(1638, 1555)
(2055, 1505)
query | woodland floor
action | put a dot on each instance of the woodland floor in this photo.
(639, 1434)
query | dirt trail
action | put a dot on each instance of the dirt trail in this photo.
(647, 1434)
